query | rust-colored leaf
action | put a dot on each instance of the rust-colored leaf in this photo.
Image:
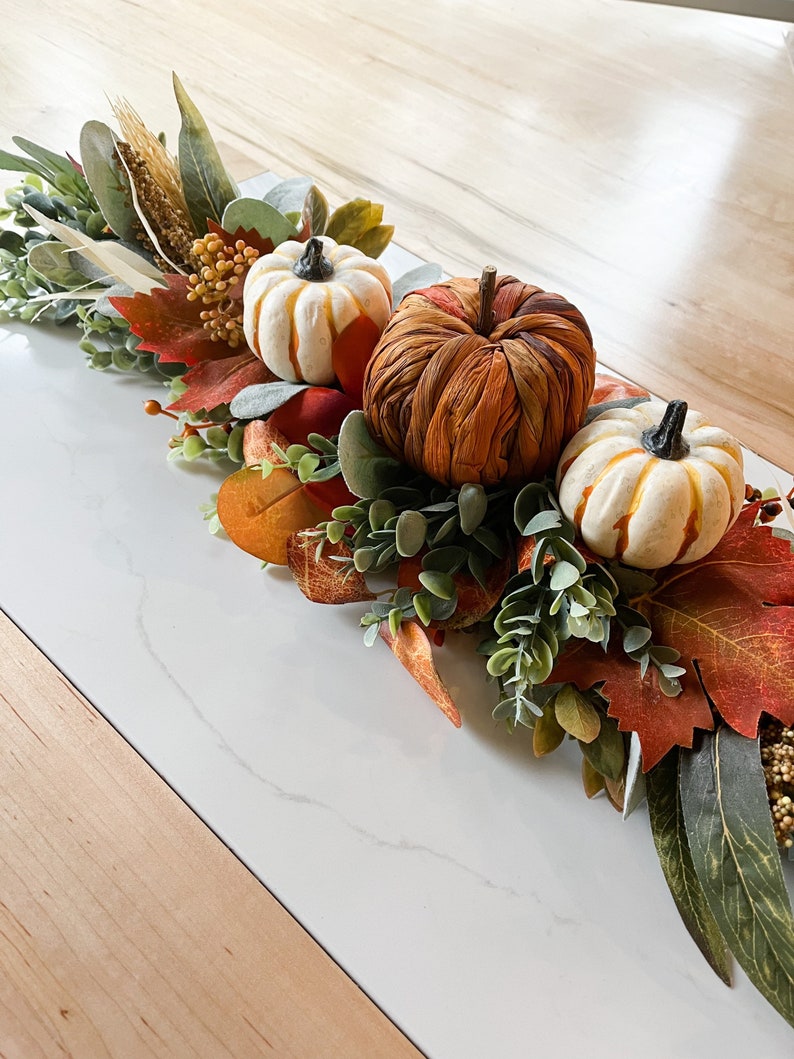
(169, 325)
(733, 614)
(215, 382)
(317, 410)
(412, 647)
(638, 704)
(330, 494)
(324, 580)
(259, 514)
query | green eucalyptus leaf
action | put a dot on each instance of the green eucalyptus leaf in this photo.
(472, 504)
(367, 468)
(729, 826)
(563, 575)
(607, 752)
(576, 714)
(207, 186)
(672, 847)
(542, 522)
(437, 583)
(108, 181)
(315, 211)
(410, 533)
(50, 260)
(446, 560)
(265, 219)
(635, 637)
(565, 550)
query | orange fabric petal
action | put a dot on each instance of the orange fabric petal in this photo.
(412, 647)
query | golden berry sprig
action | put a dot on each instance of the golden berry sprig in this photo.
(777, 758)
(222, 268)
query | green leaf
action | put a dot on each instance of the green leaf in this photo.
(315, 211)
(472, 504)
(563, 575)
(548, 733)
(737, 861)
(50, 260)
(207, 186)
(576, 714)
(635, 638)
(348, 223)
(540, 523)
(254, 402)
(410, 534)
(14, 163)
(367, 468)
(672, 847)
(49, 160)
(606, 753)
(109, 183)
(447, 560)
(374, 241)
(288, 196)
(261, 216)
(436, 583)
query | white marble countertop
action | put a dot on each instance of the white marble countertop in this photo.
(470, 889)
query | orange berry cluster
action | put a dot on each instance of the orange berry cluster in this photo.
(222, 268)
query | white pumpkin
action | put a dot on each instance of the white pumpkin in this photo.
(301, 297)
(651, 485)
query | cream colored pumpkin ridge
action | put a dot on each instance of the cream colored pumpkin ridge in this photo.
(291, 323)
(647, 511)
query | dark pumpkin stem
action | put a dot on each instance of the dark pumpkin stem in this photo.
(487, 291)
(313, 264)
(666, 440)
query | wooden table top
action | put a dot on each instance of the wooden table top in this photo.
(636, 158)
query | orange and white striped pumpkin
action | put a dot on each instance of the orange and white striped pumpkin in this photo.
(651, 485)
(300, 298)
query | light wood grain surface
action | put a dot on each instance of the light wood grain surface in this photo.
(635, 157)
(126, 928)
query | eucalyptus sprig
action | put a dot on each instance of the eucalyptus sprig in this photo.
(316, 462)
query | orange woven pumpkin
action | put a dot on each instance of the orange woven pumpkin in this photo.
(480, 383)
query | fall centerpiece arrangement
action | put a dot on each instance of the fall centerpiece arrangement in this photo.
(444, 455)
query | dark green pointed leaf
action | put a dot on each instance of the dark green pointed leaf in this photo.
(737, 861)
(15, 163)
(109, 182)
(672, 847)
(315, 211)
(207, 186)
(49, 160)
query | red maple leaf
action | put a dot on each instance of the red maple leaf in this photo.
(731, 615)
(169, 325)
(215, 382)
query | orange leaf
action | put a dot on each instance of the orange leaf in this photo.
(323, 580)
(258, 439)
(412, 648)
(259, 514)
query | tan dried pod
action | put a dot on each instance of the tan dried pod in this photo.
(480, 382)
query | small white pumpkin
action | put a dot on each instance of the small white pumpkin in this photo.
(651, 485)
(300, 298)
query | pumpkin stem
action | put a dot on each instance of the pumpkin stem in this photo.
(666, 440)
(487, 291)
(313, 264)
